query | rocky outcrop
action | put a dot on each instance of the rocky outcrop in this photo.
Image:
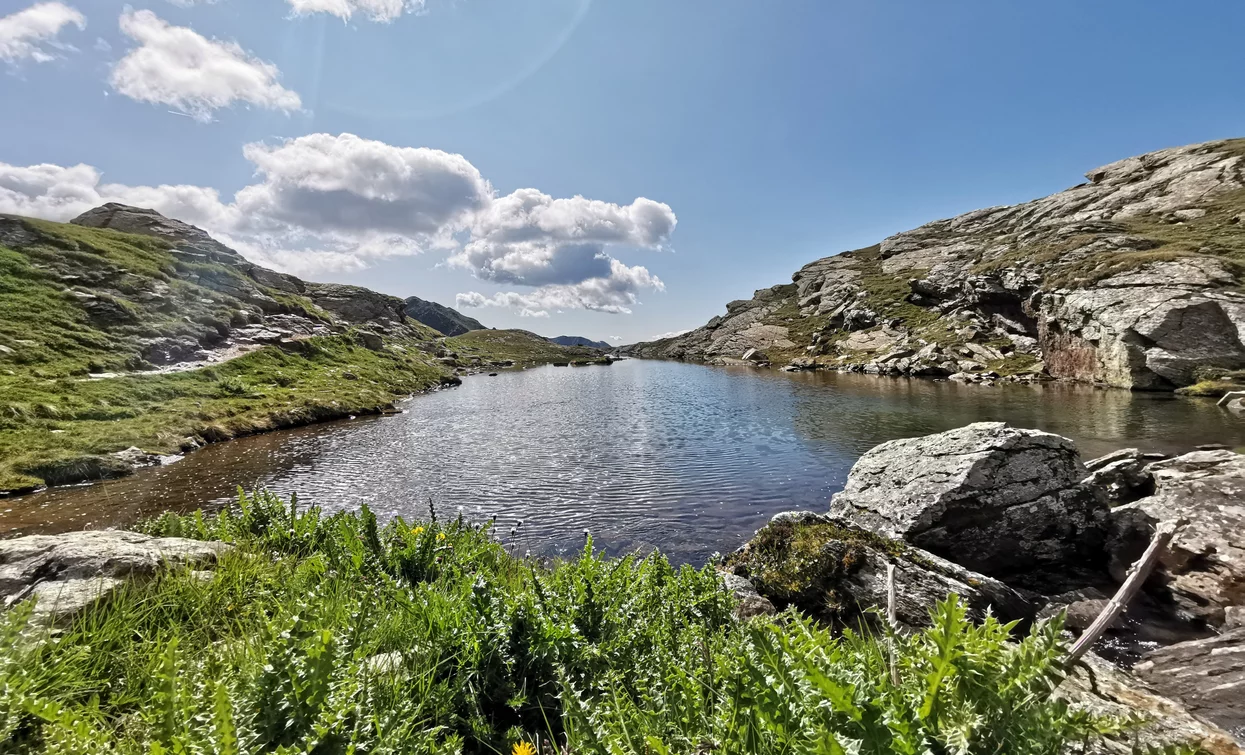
(439, 317)
(1203, 571)
(1206, 675)
(1122, 476)
(1131, 280)
(838, 573)
(999, 500)
(67, 573)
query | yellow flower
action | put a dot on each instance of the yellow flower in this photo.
(418, 530)
(523, 748)
(440, 535)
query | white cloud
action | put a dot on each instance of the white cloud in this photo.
(383, 11)
(671, 334)
(177, 66)
(351, 185)
(324, 203)
(32, 33)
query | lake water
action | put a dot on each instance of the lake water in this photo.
(687, 458)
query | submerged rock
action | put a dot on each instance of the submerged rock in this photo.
(837, 573)
(67, 573)
(1000, 500)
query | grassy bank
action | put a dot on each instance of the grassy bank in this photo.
(331, 634)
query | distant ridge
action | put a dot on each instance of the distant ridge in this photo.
(580, 341)
(449, 321)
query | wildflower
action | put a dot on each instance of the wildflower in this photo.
(523, 748)
(440, 535)
(418, 530)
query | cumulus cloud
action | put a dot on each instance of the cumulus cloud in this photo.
(177, 66)
(383, 11)
(351, 185)
(31, 34)
(323, 203)
(671, 334)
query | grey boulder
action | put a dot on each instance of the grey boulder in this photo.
(67, 573)
(1003, 501)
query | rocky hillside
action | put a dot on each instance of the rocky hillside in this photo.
(439, 317)
(126, 335)
(580, 341)
(1132, 279)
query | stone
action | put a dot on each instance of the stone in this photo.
(1206, 675)
(355, 304)
(371, 341)
(67, 573)
(1203, 569)
(751, 603)
(1122, 476)
(755, 355)
(1100, 688)
(837, 572)
(1000, 500)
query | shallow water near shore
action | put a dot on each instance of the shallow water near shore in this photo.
(686, 458)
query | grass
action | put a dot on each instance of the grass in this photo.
(332, 634)
(518, 346)
(43, 421)
(81, 301)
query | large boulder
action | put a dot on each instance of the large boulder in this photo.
(67, 573)
(996, 499)
(1206, 675)
(837, 573)
(1203, 570)
(355, 304)
(1103, 689)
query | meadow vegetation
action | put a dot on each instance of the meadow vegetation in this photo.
(334, 634)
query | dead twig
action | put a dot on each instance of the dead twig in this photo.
(1137, 575)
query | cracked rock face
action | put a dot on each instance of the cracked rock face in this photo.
(996, 499)
(67, 573)
(1203, 571)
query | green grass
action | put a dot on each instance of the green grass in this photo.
(55, 422)
(277, 651)
(46, 420)
(518, 346)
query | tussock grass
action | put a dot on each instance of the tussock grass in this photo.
(334, 634)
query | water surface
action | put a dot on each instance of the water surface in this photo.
(687, 458)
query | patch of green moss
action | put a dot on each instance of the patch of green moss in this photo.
(1210, 388)
(803, 564)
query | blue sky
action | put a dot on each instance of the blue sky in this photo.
(776, 133)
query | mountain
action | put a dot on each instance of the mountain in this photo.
(1132, 279)
(439, 317)
(581, 341)
(125, 335)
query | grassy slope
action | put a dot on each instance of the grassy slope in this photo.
(51, 413)
(279, 648)
(518, 346)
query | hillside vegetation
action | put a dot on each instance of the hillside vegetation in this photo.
(331, 634)
(165, 340)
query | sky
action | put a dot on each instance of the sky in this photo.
(617, 169)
